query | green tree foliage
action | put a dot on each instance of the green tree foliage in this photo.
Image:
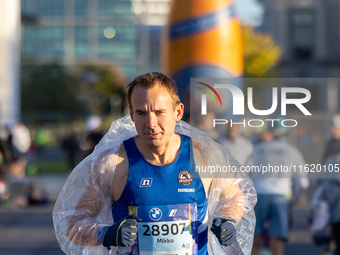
(101, 86)
(261, 53)
(52, 89)
(48, 88)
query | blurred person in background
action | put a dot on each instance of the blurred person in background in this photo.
(21, 142)
(330, 195)
(9, 140)
(325, 221)
(6, 158)
(239, 146)
(95, 134)
(70, 146)
(278, 191)
(207, 127)
(261, 135)
(334, 143)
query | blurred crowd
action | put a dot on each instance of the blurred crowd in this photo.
(19, 184)
(279, 193)
(77, 147)
(16, 188)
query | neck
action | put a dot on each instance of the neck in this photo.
(162, 155)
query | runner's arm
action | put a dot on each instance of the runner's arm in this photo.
(83, 227)
(231, 200)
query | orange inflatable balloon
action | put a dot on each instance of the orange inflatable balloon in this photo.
(202, 40)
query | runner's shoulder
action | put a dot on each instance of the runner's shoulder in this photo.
(198, 152)
(111, 159)
(204, 153)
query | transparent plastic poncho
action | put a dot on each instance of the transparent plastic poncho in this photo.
(77, 223)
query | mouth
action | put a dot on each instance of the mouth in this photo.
(153, 136)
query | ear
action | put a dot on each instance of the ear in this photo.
(131, 113)
(179, 111)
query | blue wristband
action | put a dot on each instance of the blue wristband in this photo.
(101, 235)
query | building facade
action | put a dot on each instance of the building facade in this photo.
(81, 31)
(309, 36)
(73, 32)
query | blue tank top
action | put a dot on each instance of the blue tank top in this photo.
(151, 185)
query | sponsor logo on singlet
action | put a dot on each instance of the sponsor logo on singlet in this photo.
(146, 182)
(186, 190)
(185, 178)
(155, 214)
(172, 213)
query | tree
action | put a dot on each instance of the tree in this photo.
(102, 87)
(261, 53)
(48, 89)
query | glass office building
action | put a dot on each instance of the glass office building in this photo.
(81, 31)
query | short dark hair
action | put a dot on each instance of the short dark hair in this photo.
(149, 80)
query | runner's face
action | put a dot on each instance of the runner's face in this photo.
(154, 115)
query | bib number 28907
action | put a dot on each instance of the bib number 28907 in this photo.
(163, 238)
(164, 229)
(167, 230)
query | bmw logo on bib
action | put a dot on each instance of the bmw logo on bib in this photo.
(155, 214)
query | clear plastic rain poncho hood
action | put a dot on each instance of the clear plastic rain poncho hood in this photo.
(91, 180)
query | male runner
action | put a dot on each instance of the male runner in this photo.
(154, 171)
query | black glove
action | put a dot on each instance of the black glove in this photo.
(224, 230)
(123, 233)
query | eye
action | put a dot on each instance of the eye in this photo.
(140, 113)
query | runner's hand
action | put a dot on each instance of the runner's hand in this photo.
(123, 233)
(224, 230)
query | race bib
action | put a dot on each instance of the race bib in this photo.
(167, 230)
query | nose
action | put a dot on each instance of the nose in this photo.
(151, 121)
